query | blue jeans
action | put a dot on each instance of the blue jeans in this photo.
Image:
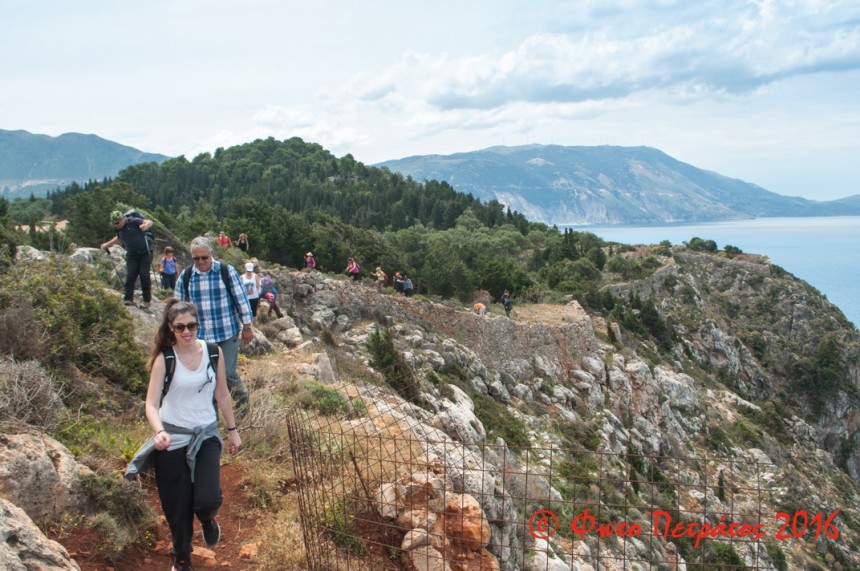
(230, 350)
(168, 281)
(137, 265)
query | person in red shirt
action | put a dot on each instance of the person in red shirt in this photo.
(224, 240)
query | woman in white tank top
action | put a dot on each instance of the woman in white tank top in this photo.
(186, 447)
(251, 285)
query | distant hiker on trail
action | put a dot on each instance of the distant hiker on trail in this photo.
(481, 309)
(251, 283)
(310, 262)
(224, 240)
(380, 276)
(167, 269)
(132, 229)
(399, 281)
(353, 270)
(242, 242)
(185, 375)
(269, 292)
(506, 301)
(407, 286)
(224, 309)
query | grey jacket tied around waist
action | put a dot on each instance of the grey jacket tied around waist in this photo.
(144, 458)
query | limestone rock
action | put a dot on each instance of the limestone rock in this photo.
(259, 345)
(291, 337)
(23, 547)
(425, 558)
(40, 476)
(457, 418)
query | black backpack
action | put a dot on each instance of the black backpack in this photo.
(170, 364)
(150, 237)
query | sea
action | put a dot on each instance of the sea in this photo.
(823, 251)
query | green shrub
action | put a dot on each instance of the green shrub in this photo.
(819, 377)
(79, 322)
(777, 555)
(388, 361)
(722, 555)
(583, 433)
(499, 421)
(339, 522)
(325, 400)
(123, 514)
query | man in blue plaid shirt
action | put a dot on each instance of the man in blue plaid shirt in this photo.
(222, 313)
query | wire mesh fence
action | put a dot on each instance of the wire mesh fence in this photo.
(381, 487)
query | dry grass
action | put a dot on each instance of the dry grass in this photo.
(348, 453)
(29, 394)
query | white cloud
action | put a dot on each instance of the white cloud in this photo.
(729, 85)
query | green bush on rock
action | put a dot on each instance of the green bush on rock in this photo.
(75, 320)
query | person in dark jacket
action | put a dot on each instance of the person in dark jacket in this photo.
(131, 231)
(506, 301)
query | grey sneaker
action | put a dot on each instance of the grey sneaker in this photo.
(145, 305)
(127, 302)
(211, 532)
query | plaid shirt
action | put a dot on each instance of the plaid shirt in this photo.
(215, 310)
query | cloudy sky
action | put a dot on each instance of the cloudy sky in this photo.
(765, 91)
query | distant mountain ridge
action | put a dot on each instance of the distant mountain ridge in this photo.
(607, 185)
(32, 163)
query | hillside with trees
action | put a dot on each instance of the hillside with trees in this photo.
(291, 197)
(32, 164)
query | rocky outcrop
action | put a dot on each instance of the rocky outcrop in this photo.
(519, 349)
(41, 476)
(23, 547)
(443, 531)
(39, 481)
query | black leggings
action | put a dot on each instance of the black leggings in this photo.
(182, 499)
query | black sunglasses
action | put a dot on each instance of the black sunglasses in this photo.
(198, 258)
(180, 327)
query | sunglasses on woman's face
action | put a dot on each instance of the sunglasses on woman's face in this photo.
(180, 327)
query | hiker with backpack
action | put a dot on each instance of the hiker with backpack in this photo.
(167, 269)
(310, 262)
(225, 313)
(269, 292)
(381, 277)
(133, 230)
(187, 378)
(506, 301)
(353, 270)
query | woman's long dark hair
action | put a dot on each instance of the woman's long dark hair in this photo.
(164, 337)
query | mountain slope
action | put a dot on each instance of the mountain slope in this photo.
(32, 163)
(606, 185)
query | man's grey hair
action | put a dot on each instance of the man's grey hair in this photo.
(201, 242)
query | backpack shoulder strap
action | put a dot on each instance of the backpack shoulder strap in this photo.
(225, 277)
(186, 280)
(169, 368)
(213, 355)
(212, 349)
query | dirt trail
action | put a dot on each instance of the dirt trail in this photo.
(236, 527)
